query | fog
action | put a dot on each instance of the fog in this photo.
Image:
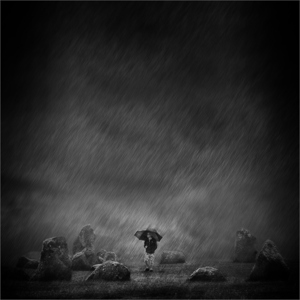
(182, 116)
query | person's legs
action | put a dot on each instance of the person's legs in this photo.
(151, 262)
(146, 260)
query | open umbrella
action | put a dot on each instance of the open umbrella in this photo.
(142, 234)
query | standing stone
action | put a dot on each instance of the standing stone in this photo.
(207, 274)
(269, 264)
(111, 271)
(172, 257)
(85, 239)
(84, 250)
(245, 247)
(55, 263)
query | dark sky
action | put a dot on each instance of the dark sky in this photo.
(121, 115)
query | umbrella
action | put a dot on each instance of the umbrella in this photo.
(142, 234)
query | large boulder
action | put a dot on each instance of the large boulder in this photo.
(24, 262)
(110, 256)
(244, 247)
(207, 274)
(269, 264)
(85, 240)
(172, 257)
(110, 271)
(55, 263)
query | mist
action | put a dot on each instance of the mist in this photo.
(182, 116)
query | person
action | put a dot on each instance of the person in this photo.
(150, 246)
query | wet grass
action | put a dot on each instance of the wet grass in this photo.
(167, 281)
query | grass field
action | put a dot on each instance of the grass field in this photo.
(167, 281)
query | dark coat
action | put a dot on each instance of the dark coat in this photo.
(151, 245)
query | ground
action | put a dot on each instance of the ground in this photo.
(167, 281)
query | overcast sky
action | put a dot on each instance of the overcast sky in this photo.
(183, 116)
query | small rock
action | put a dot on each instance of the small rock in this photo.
(82, 261)
(100, 256)
(207, 274)
(110, 271)
(27, 263)
(101, 253)
(269, 264)
(100, 260)
(172, 257)
(110, 256)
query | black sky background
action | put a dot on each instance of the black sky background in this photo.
(185, 110)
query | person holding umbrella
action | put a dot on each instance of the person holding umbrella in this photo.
(150, 237)
(150, 246)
